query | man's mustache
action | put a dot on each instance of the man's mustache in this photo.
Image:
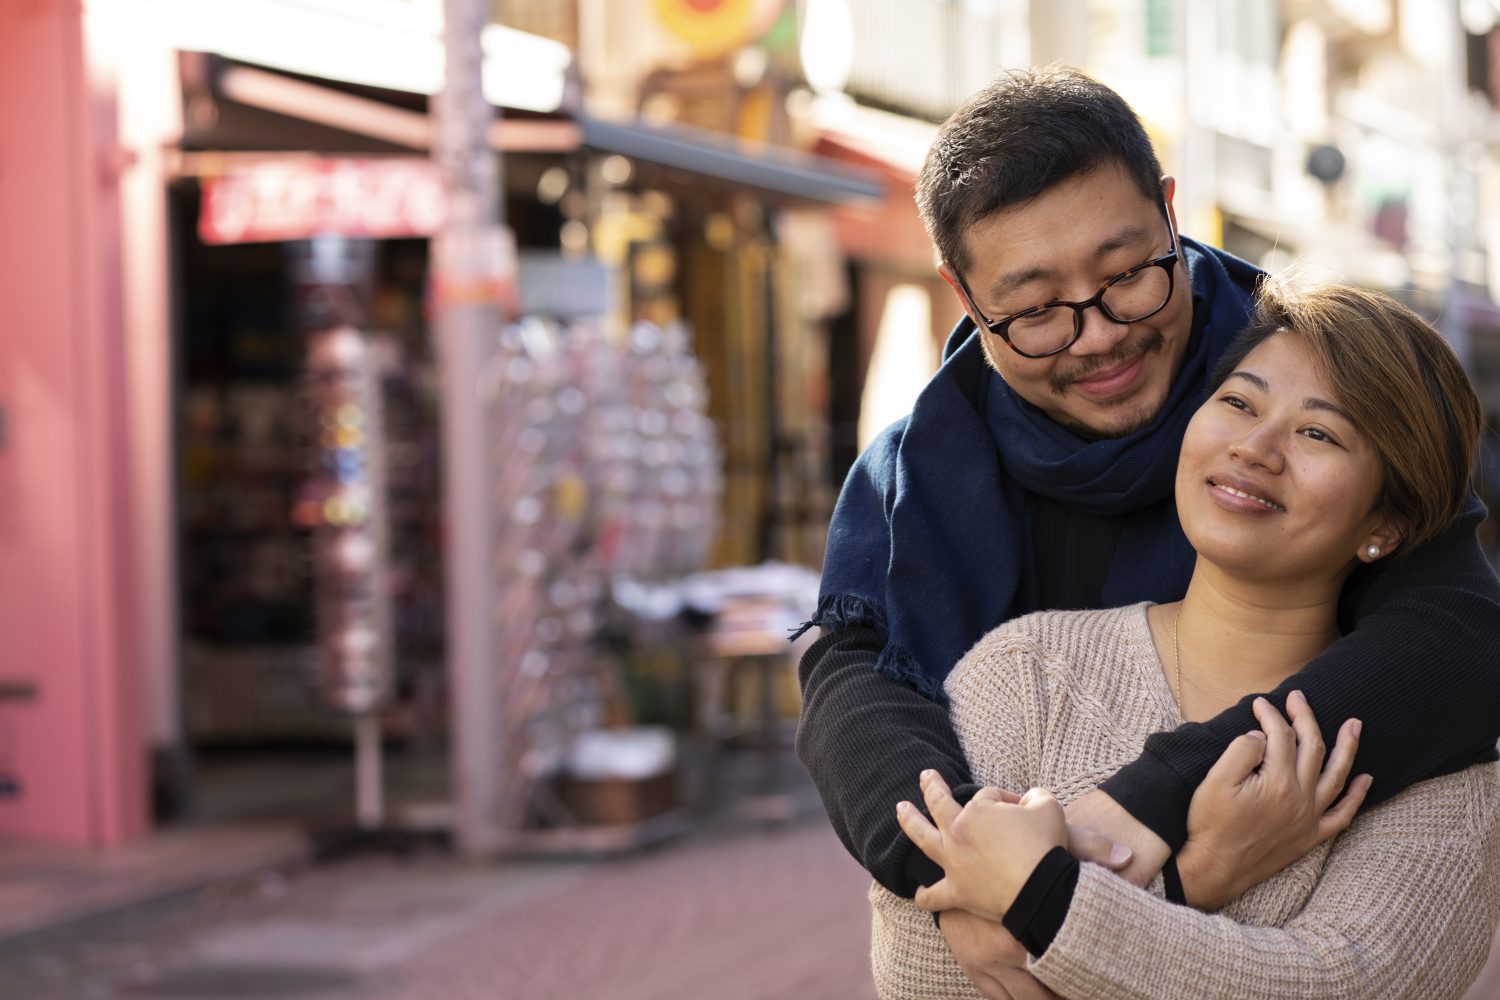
(1064, 377)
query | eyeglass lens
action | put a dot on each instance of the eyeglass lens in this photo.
(1127, 299)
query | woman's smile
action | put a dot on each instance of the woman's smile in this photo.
(1234, 494)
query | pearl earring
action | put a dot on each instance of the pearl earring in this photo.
(1373, 551)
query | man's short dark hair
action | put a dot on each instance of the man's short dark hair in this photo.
(1026, 132)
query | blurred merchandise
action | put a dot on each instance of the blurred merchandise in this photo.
(605, 467)
(620, 776)
(344, 503)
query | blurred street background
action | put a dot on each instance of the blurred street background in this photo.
(416, 446)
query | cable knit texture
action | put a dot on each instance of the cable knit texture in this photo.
(1403, 904)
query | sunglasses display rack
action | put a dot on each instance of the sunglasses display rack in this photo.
(604, 465)
(344, 505)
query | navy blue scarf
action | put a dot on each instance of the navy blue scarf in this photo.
(929, 537)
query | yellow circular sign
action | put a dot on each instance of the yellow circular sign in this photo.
(712, 27)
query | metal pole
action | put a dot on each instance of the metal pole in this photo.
(369, 797)
(1460, 184)
(472, 266)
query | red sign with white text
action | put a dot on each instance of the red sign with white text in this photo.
(299, 199)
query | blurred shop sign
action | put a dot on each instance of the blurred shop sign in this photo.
(559, 288)
(301, 198)
(712, 28)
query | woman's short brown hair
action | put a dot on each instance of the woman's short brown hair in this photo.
(1397, 378)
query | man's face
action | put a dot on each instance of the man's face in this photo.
(1061, 246)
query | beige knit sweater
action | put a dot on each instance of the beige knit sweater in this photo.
(1403, 904)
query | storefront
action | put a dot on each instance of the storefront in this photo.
(213, 598)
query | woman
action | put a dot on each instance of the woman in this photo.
(1342, 429)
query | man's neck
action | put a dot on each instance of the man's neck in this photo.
(1236, 638)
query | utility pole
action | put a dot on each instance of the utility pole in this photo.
(473, 270)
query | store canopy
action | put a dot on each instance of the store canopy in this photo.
(273, 56)
(773, 169)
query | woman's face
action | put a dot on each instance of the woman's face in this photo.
(1275, 482)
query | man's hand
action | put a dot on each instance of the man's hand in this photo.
(1097, 818)
(1268, 801)
(991, 957)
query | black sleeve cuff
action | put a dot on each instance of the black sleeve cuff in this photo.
(1155, 794)
(921, 870)
(1171, 881)
(1042, 904)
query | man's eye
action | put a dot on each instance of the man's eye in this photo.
(1041, 317)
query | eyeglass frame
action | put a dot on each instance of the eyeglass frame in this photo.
(1001, 326)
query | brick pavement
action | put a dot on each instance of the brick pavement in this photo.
(763, 915)
(737, 913)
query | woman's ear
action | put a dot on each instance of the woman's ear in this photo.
(1379, 543)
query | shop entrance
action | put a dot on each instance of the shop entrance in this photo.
(259, 740)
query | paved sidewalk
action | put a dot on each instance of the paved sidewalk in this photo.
(739, 913)
(43, 887)
(771, 915)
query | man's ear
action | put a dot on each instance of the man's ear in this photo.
(947, 275)
(1168, 192)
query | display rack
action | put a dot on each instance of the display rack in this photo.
(605, 466)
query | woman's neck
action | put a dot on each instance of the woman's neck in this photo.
(1235, 638)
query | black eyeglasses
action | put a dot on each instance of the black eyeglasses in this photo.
(1053, 327)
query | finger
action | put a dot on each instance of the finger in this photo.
(1337, 819)
(1310, 746)
(937, 897)
(927, 838)
(1090, 845)
(941, 804)
(1238, 761)
(1281, 740)
(1038, 797)
(1340, 763)
(989, 793)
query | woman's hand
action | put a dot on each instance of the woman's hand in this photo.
(1268, 801)
(987, 848)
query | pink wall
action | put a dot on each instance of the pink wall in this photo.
(77, 748)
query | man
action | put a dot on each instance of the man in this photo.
(1036, 471)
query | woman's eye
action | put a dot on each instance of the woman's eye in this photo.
(1234, 401)
(1319, 435)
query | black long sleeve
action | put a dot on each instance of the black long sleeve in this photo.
(864, 738)
(1420, 668)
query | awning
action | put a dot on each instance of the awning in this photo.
(896, 142)
(708, 154)
(772, 170)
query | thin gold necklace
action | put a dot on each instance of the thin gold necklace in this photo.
(1177, 663)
